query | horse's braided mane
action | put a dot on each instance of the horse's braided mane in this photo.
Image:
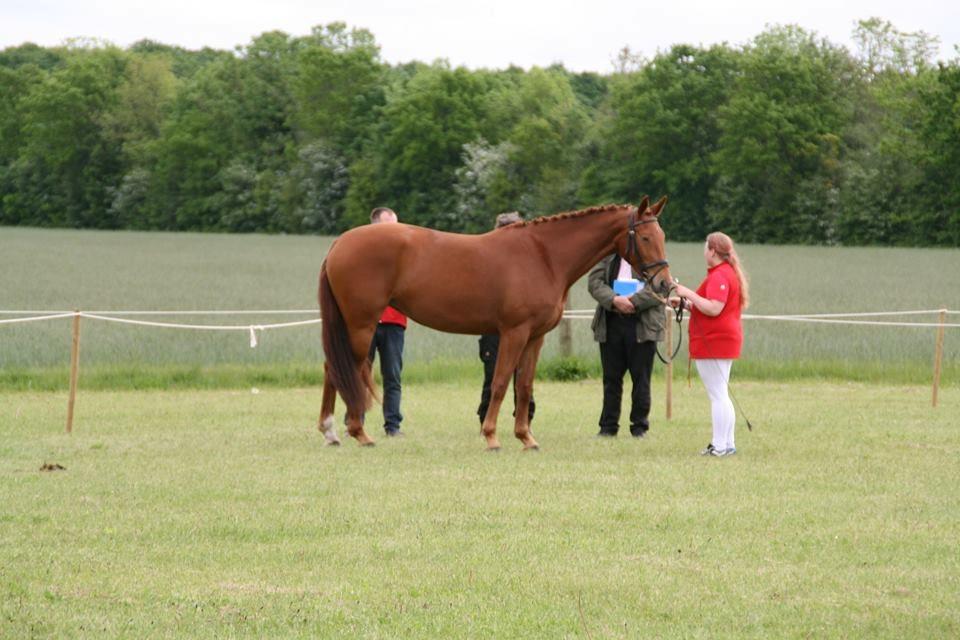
(571, 214)
(604, 208)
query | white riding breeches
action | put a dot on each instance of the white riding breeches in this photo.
(716, 376)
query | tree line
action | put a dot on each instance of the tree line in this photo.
(786, 139)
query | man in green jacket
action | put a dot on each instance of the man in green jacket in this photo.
(628, 329)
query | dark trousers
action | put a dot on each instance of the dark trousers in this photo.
(619, 354)
(388, 340)
(489, 347)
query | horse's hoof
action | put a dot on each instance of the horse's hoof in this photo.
(368, 444)
(533, 447)
(333, 443)
(493, 449)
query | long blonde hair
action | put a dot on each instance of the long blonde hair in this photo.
(723, 246)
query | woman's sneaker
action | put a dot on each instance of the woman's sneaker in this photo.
(717, 453)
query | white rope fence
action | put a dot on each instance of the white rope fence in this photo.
(100, 315)
(571, 314)
(252, 328)
(827, 318)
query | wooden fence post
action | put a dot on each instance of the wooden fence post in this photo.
(938, 356)
(566, 333)
(669, 313)
(74, 369)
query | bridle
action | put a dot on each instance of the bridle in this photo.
(633, 251)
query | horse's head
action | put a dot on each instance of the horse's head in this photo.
(642, 244)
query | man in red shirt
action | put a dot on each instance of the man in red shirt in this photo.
(388, 340)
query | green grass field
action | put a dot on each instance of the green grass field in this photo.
(190, 506)
(218, 513)
(94, 270)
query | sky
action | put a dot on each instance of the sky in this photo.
(583, 36)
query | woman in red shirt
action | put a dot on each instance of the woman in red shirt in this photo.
(716, 334)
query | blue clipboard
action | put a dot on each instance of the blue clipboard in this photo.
(627, 287)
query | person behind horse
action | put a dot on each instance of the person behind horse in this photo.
(716, 334)
(388, 340)
(490, 345)
(627, 329)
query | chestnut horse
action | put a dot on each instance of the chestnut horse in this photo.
(513, 281)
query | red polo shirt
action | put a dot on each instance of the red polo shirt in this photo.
(392, 316)
(718, 336)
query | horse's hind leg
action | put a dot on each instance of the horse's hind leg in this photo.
(523, 386)
(355, 429)
(355, 416)
(326, 424)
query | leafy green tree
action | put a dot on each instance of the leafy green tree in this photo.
(318, 185)
(788, 139)
(143, 100)
(484, 174)
(202, 135)
(664, 131)
(128, 200)
(184, 64)
(885, 180)
(545, 132)
(364, 192)
(938, 221)
(777, 163)
(133, 124)
(418, 145)
(231, 117)
(15, 84)
(591, 88)
(65, 162)
(884, 49)
(339, 85)
(32, 54)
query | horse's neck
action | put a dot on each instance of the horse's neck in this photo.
(573, 245)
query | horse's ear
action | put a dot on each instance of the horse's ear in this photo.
(657, 206)
(643, 204)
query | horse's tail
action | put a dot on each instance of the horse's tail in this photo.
(342, 368)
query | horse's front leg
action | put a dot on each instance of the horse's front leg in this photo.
(523, 386)
(511, 345)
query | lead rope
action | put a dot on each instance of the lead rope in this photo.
(678, 316)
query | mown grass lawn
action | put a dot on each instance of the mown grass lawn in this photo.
(220, 514)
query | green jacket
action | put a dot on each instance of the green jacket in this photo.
(650, 311)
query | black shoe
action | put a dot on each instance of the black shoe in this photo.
(639, 434)
(607, 434)
(394, 433)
